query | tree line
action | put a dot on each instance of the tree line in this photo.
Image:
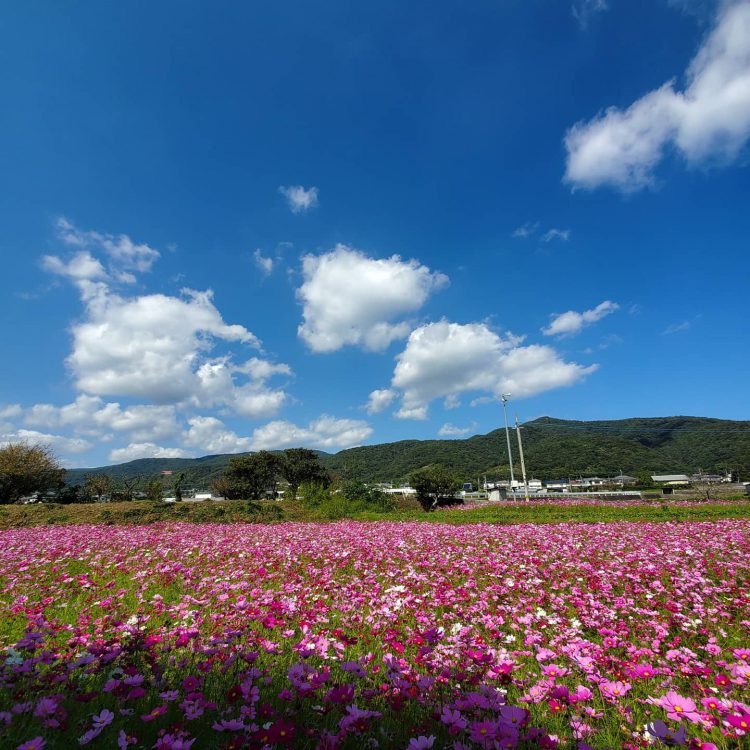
(32, 471)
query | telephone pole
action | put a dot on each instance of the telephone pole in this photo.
(504, 399)
(523, 465)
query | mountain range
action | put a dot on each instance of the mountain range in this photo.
(553, 448)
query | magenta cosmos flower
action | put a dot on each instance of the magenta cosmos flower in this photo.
(678, 707)
(36, 744)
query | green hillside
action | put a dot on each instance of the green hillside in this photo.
(553, 448)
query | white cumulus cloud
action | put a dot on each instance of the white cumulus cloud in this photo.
(708, 121)
(10, 411)
(134, 451)
(81, 266)
(149, 346)
(326, 433)
(59, 443)
(209, 435)
(571, 322)
(379, 399)
(444, 358)
(124, 254)
(351, 299)
(300, 199)
(90, 415)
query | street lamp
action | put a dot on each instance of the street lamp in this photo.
(504, 398)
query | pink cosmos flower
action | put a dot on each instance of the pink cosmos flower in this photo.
(174, 742)
(740, 722)
(155, 713)
(678, 707)
(453, 720)
(104, 719)
(483, 733)
(553, 671)
(36, 744)
(45, 707)
(663, 733)
(514, 715)
(643, 671)
(228, 725)
(421, 743)
(614, 690)
(713, 704)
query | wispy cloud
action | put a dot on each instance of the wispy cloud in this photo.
(526, 230)
(300, 199)
(584, 10)
(571, 322)
(450, 430)
(676, 328)
(264, 264)
(556, 234)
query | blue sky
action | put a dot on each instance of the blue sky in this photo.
(329, 224)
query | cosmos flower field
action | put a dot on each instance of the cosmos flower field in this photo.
(367, 635)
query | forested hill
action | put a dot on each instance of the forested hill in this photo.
(552, 447)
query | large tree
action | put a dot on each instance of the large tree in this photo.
(27, 469)
(302, 466)
(251, 477)
(433, 483)
(98, 485)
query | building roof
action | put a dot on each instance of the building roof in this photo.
(669, 478)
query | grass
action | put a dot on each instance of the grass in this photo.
(141, 512)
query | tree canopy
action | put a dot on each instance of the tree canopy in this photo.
(27, 469)
(433, 483)
(250, 477)
(302, 466)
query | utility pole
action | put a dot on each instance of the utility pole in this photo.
(504, 399)
(523, 465)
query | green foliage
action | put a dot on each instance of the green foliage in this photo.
(251, 477)
(302, 466)
(124, 488)
(552, 450)
(27, 469)
(370, 498)
(177, 485)
(154, 490)
(97, 486)
(313, 495)
(433, 483)
(70, 494)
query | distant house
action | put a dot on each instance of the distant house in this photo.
(623, 479)
(673, 480)
(588, 482)
(557, 485)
